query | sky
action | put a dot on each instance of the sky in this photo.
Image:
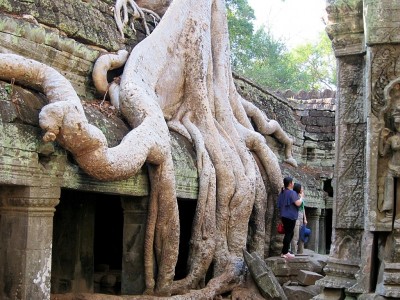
(293, 21)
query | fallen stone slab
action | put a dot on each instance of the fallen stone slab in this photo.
(305, 277)
(301, 292)
(263, 277)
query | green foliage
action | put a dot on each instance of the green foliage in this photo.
(260, 57)
(315, 64)
(240, 16)
(268, 65)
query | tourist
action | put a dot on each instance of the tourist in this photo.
(288, 205)
(297, 244)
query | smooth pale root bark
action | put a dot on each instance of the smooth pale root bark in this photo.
(192, 74)
(270, 127)
(257, 220)
(104, 64)
(202, 242)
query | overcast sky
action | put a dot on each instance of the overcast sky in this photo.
(294, 21)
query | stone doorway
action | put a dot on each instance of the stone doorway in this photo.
(87, 243)
(107, 252)
(187, 208)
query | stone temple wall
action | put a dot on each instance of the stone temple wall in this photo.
(35, 177)
(311, 125)
(364, 260)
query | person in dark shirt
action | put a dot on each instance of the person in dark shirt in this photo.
(288, 205)
(297, 244)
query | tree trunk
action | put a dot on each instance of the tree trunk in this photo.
(179, 76)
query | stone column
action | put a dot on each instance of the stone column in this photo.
(350, 243)
(135, 215)
(383, 70)
(313, 223)
(322, 233)
(25, 241)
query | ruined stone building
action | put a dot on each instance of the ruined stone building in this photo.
(63, 231)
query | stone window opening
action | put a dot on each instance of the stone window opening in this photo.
(310, 153)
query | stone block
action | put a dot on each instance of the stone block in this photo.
(325, 121)
(318, 136)
(328, 94)
(312, 121)
(300, 292)
(316, 113)
(263, 276)
(327, 162)
(288, 270)
(382, 21)
(39, 233)
(307, 277)
(371, 296)
(302, 112)
(288, 94)
(330, 294)
(38, 268)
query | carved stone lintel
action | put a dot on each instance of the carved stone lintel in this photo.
(29, 203)
(345, 27)
(29, 199)
(340, 274)
(315, 213)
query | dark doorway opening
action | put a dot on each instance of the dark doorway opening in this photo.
(375, 262)
(187, 209)
(108, 229)
(108, 234)
(328, 188)
(328, 224)
(87, 243)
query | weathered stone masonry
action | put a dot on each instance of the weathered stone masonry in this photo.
(363, 258)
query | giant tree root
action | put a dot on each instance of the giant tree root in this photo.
(180, 75)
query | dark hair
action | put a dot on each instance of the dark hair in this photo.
(287, 181)
(297, 188)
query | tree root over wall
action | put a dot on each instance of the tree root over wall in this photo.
(179, 78)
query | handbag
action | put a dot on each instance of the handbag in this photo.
(304, 233)
(280, 228)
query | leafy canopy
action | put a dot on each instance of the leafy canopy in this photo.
(257, 55)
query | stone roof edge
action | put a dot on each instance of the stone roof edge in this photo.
(264, 90)
(295, 104)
